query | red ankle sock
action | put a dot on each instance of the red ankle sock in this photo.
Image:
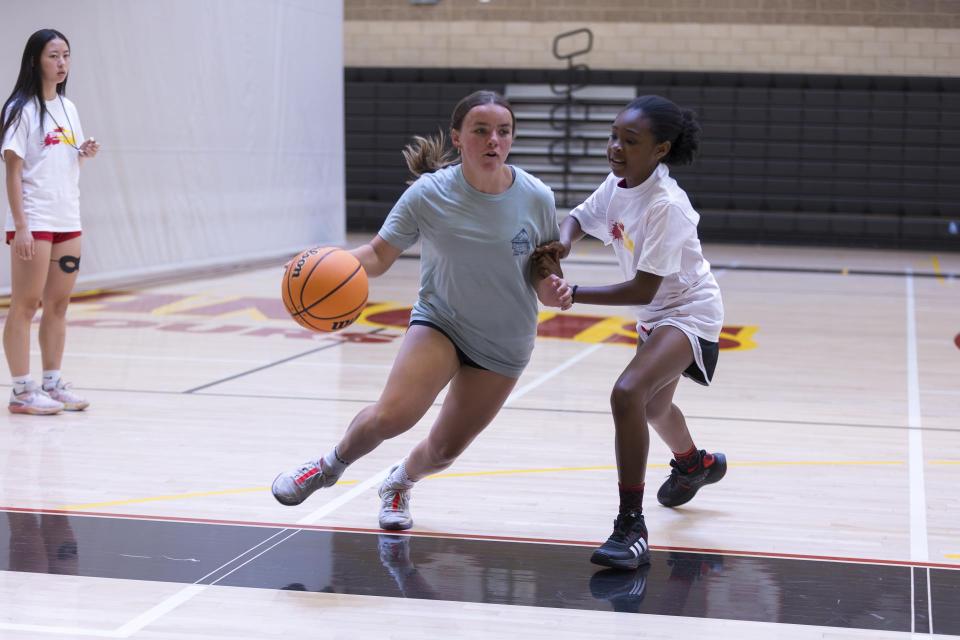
(631, 497)
(688, 460)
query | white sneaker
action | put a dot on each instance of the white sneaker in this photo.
(34, 401)
(70, 400)
(394, 506)
(293, 487)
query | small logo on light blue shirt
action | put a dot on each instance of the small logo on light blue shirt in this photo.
(521, 243)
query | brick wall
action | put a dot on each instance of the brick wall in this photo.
(874, 37)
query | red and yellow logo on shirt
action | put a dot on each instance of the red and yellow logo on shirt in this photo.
(58, 135)
(618, 233)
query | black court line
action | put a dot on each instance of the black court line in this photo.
(688, 584)
(834, 271)
(272, 364)
(259, 396)
(837, 271)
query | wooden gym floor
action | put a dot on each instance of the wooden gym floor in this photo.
(835, 400)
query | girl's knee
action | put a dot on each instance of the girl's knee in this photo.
(387, 422)
(56, 308)
(444, 454)
(627, 396)
(24, 307)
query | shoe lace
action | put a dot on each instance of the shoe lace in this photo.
(677, 473)
(623, 525)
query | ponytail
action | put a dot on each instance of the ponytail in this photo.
(685, 148)
(426, 155)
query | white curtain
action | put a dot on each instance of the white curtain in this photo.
(221, 125)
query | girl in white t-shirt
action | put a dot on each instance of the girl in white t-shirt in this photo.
(648, 220)
(40, 130)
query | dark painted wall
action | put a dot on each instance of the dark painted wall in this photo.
(786, 158)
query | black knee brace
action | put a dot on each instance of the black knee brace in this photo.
(69, 264)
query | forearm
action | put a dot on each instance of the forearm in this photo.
(570, 231)
(639, 291)
(376, 256)
(368, 260)
(15, 197)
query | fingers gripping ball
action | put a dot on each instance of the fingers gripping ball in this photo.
(324, 289)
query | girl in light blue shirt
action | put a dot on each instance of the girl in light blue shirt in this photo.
(475, 320)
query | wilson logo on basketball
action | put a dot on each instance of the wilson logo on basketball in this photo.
(298, 267)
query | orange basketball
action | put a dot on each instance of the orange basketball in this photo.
(324, 289)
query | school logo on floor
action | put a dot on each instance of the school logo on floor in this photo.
(267, 317)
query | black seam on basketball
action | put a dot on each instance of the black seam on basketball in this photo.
(306, 277)
(306, 309)
(346, 313)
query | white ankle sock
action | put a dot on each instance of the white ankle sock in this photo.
(335, 463)
(20, 383)
(50, 379)
(399, 477)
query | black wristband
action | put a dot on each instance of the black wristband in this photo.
(573, 294)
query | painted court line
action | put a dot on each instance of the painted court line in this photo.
(70, 632)
(918, 494)
(522, 391)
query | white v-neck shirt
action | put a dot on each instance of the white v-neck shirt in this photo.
(653, 228)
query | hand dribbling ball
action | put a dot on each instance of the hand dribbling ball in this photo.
(324, 289)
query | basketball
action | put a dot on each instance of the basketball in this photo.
(324, 289)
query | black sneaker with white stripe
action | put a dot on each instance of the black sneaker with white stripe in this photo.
(622, 589)
(626, 548)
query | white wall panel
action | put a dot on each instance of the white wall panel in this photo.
(221, 125)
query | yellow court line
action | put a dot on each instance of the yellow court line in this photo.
(503, 472)
(952, 556)
(936, 270)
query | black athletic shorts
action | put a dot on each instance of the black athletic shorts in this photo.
(464, 358)
(710, 351)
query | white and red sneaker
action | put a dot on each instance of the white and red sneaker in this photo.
(293, 487)
(70, 399)
(34, 401)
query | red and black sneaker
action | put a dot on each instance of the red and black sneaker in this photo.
(626, 548)
(682, 485)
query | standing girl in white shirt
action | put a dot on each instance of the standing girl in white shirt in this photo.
(40, 133)
(648, 219)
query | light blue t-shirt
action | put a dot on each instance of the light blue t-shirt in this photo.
(474, 261)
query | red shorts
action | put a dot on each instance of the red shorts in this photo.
(48, 236)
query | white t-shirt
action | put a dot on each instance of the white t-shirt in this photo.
(653, 228)
(51, 167)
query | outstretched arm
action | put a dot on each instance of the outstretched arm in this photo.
(638, 291)
(376, 256)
